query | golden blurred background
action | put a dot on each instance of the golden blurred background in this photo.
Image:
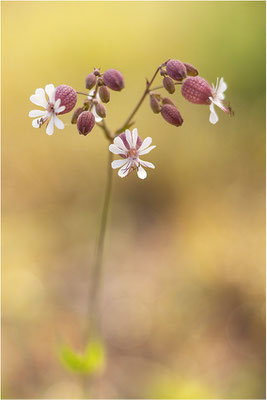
(183, 292)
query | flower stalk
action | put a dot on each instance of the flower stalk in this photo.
(98, 259)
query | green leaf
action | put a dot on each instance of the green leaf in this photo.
(92, 361)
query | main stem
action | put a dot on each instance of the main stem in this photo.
(98, 262)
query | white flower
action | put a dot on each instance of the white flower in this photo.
(93, 110)
(52, 108)
(217, 98)
(130, 147)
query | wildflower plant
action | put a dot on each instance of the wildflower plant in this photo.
(125, 143)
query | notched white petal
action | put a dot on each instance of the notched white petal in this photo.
(118, 163)
(60, 109)
(59, 124)
(124, 171)
(141, 173)
(35, 123)
(222, 86)
(50, 127)
(145, 151)
(129, 138)
(134, 136)
(119, 143)
(50, 91)
(213, 116)
(147, 164)
(36, 113)
(114, 149)
(147, 142)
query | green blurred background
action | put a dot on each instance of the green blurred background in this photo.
(183, 296)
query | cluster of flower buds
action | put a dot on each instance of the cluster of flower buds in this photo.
(93, 110)
(194, 88)
(167, 108)
(173, 73)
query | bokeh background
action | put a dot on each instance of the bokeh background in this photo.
(183, 293)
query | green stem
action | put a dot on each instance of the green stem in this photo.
(98, 262)
(128, 120)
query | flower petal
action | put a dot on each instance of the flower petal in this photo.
(59, 124)
(114, 149)
(97, 118)
(50, 127)
(35, 123)
(39, 98)
(119, 143)
(220, 104)
(147, 142)
(134, 136)
(36, 113)
(60, 109)
(129, 138)
(50, 91)
(147, 164)
(57, 104)
(124, 170)
(145, 151)
(222, 86)
(213, 116)
(141, 173)
(118, 163)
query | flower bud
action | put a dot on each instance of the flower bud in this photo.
(90, 81)
(96, 71)
(85, 122)
(176, 70)
(113, 79)
(190, 70)
(154, 104)
(169, 84)
(67, 96)
(166, 100)
(171, 115)
(100, 110)
(76, 114)
(197, 90)
(104, 94)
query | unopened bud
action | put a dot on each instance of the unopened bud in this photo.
(169, 84)
(190, 70)
(113, 79)
(197, 90)
(90, 81)
(166, 100)
(96, 71)
(85, 122)
(154, 104)
(104, 94)
(76, 114)
(67, 96)
(176, 70)
(171, 115)
(100, 110)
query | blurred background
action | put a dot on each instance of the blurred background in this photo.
(183, 293)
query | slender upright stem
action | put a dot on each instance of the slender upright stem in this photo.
(128, 120)
(98, 261)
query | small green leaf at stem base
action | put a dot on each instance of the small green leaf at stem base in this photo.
(92, 361)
